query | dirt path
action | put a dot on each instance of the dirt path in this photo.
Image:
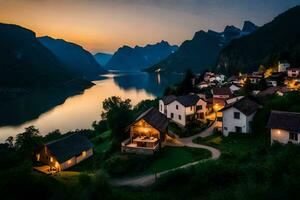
(146, 180)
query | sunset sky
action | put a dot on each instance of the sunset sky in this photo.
(105, 25)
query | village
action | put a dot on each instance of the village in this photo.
(225, 106)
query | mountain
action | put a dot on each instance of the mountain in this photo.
(279, 39)
(76, 58)
(202, 51)
(25, 62)
(138, 58)
(102, 58)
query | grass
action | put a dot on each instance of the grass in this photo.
(173, 157)
(67, 176)
(104, 144)
(235, 143)
(191, 129)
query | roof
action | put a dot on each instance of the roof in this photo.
(68, 147)
(188, 100)
(245, 105)
(156, 119)
(168, 99)
(185, 100)
(221, 91)
(293, 68)
(273, 90)
(289, 121)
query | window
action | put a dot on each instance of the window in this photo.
(225, 128)
(199, 107)
(84, 153)
(172, 115)
(179, 117)
(238, 129)
(161, 108)
(38, 156)
(51, 159)
(293, 136)
(236, 115)
(176, 107)
(191, 108)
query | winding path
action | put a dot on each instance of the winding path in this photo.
(146, 180)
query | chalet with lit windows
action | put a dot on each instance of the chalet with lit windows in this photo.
(293, 72)
(284, 126)
(183, 109)
(237, 117)
(283, 66)
(147, 133)
(66, 152)
(220, 95)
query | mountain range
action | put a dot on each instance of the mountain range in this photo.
(139, 58)
(277, 40)
(102, 58)
(202, 51)
(74, 57)
(26, 63)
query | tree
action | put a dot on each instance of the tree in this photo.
(10, 141)
(28, 141)
(262, 84)
(186, 86)
(118, 114)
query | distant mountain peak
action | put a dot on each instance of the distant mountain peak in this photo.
(249, 27)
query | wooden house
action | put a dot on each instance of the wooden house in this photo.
(66, 152)
(146, 133)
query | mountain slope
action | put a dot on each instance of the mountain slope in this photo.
(25, 62)
(76, 58)
(202, 51)
(102, 58)
(138, 58)
(279, 39)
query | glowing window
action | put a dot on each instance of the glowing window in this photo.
(51, 159)
(84, 153)
(38, 156)
(69, 162)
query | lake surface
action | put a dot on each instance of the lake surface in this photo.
(79, 111)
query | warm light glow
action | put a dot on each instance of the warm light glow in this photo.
(84, 153)
(69, 162)
(38, 157)
(51, 159)
(278, 132)
(268, 72)
(56, 164)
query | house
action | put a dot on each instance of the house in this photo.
(293, 72)
(66, 152)
(284, 126)
(279, 90)
(203, 85)
(233, 99)
(147, 133)
(234, 88)
(255, 78)
(183, 109)
(237, 117)
(220, 94)
(283, 65)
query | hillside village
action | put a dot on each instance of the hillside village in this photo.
(224, 105)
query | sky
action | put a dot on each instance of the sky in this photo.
(106, 25)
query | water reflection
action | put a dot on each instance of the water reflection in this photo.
(81, 110)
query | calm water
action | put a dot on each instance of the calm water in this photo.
(79, 111)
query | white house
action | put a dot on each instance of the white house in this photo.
(293, 72)
(234, 88)
(284, 126)
(283, 65)
(237, 117)
(183, 109)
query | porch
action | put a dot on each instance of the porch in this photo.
(141, 145)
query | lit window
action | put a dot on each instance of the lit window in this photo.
(69, 162)
(38, 156)
(84, 153)
(51, 159)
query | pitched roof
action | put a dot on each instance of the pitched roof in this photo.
(289, 121)
(168, 99)
(185, 100)
(156, 119)
(188, 100)
(273, 90)
(221, 91)
(245, 105)
(68, 147)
